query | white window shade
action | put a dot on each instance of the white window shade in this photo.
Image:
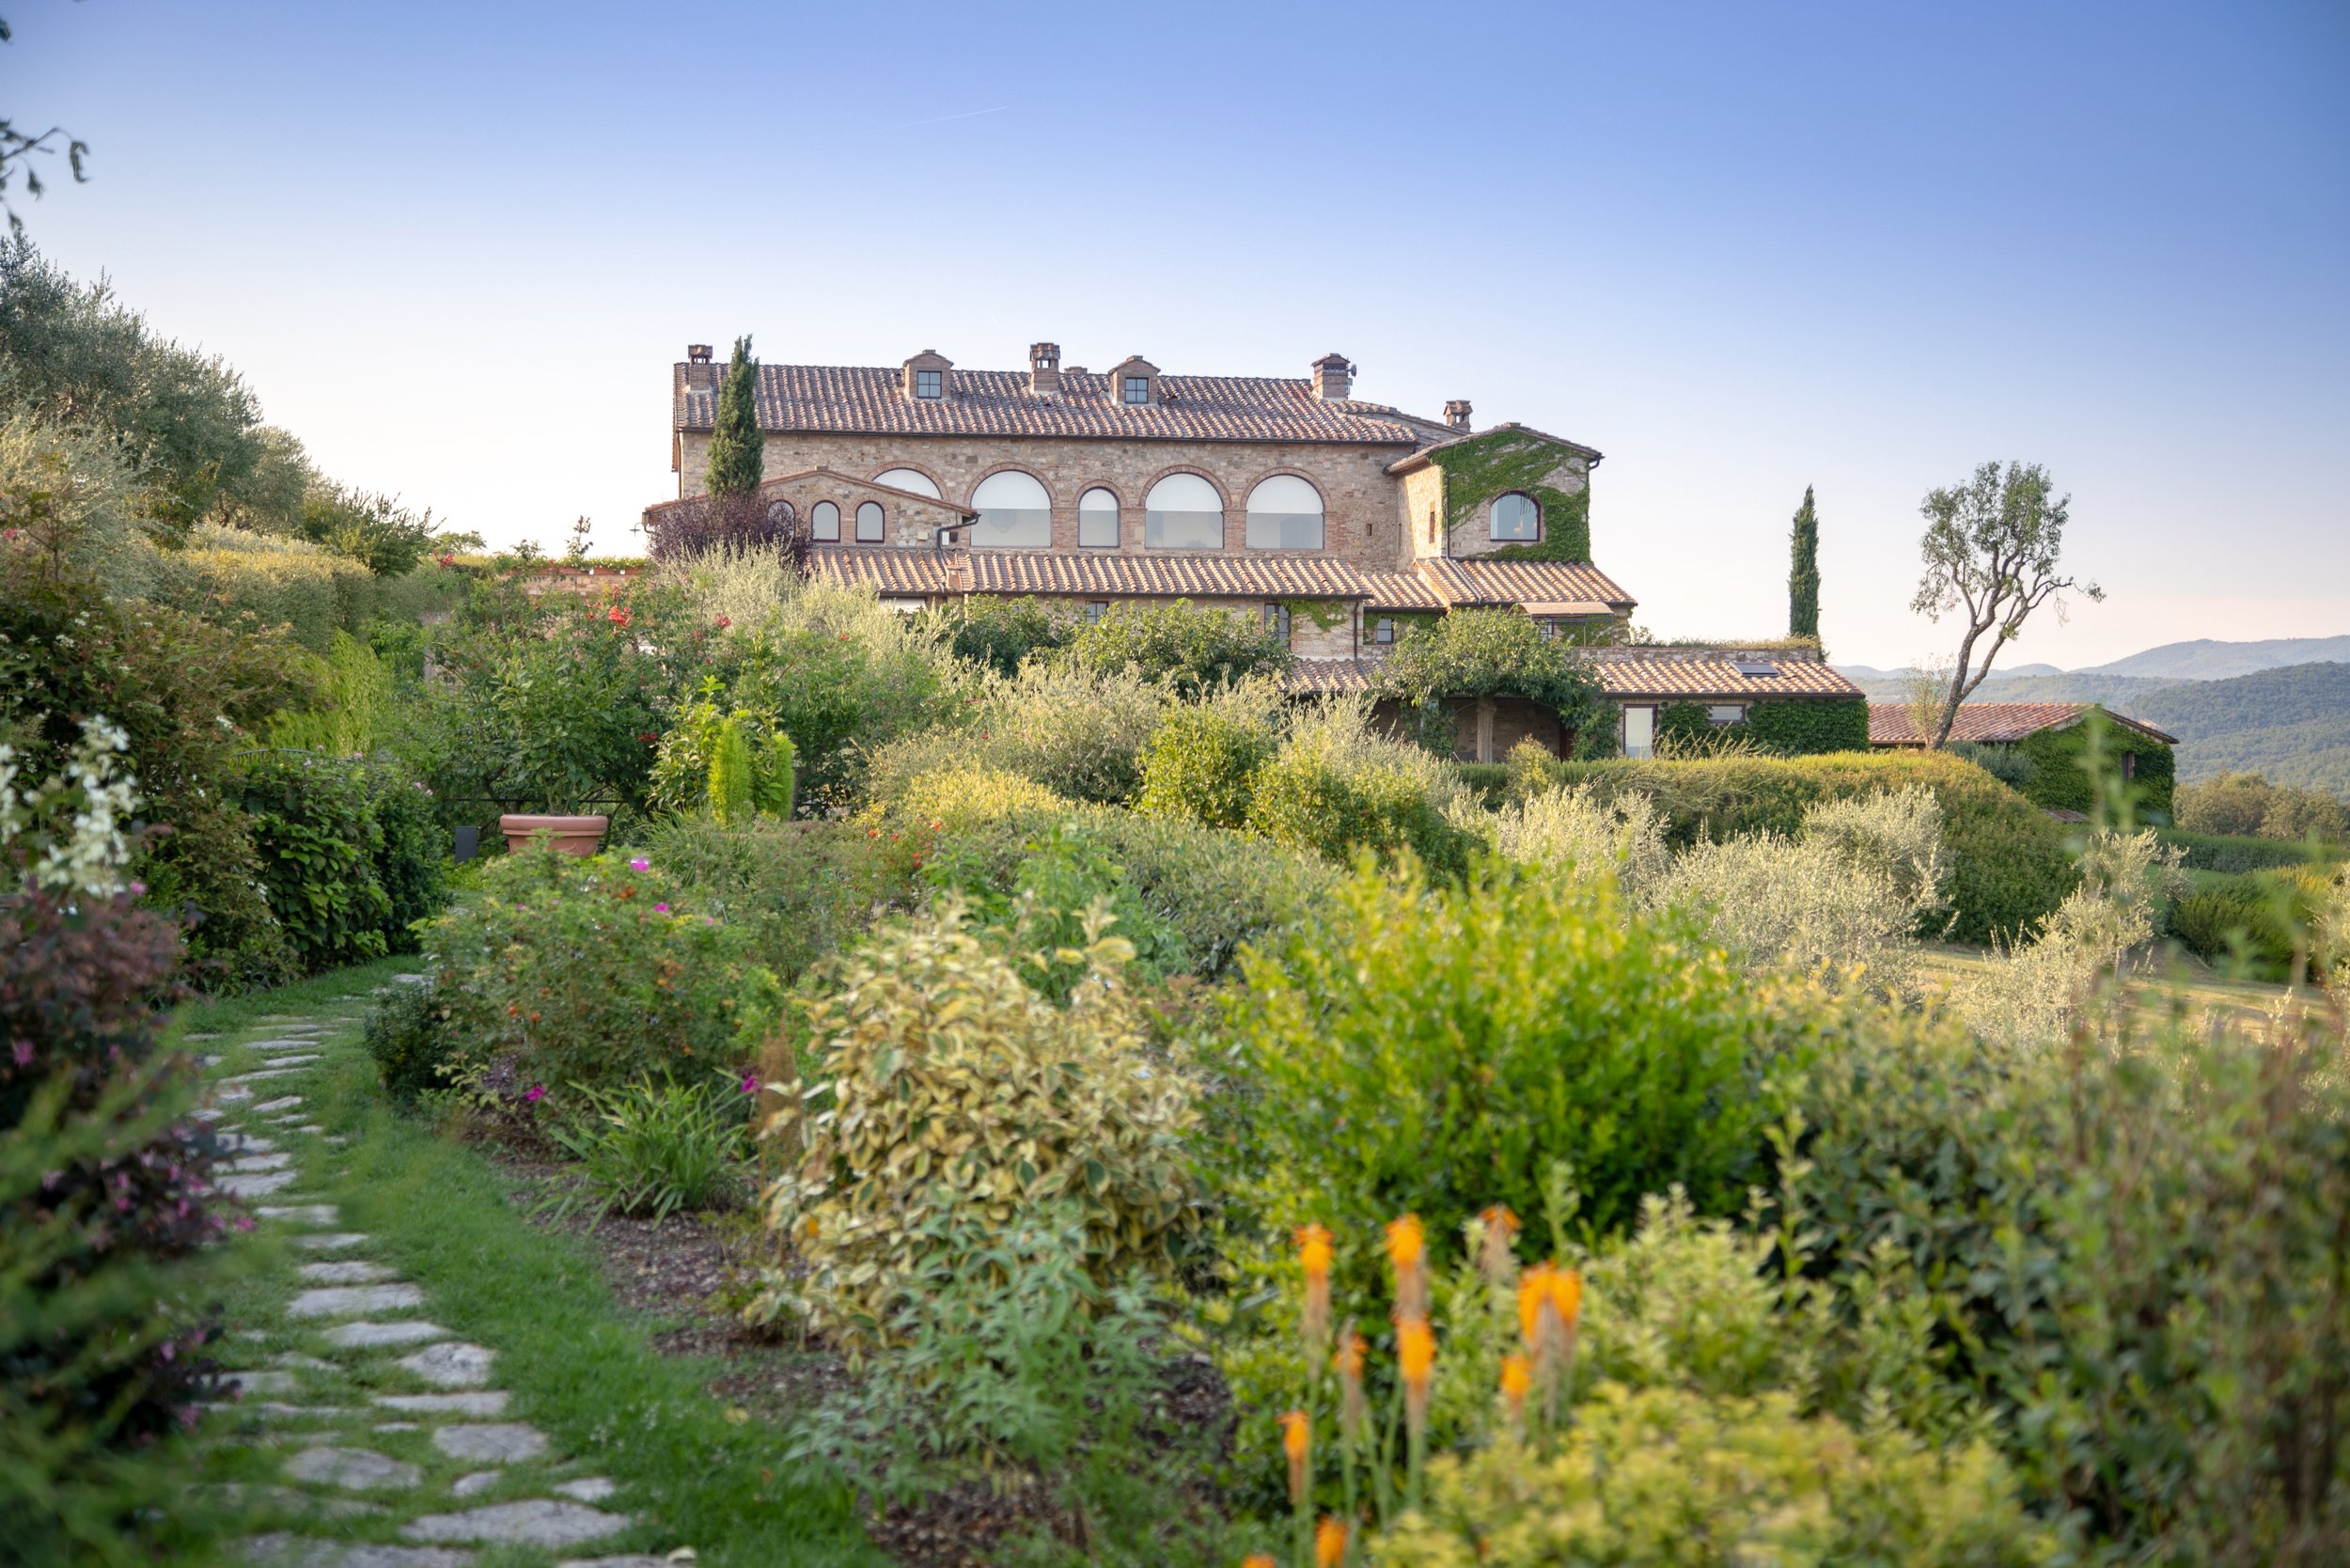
(908, 479)
(1015, 513)
(1183, 512)
(1097, 519)
(1285, 513)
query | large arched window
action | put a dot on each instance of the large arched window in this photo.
(824, 522)
(1516, 516)
(1183, 512)
(1285, 513)
(1097, 519)
(1015, 513)
(908, 479)
(869, 523)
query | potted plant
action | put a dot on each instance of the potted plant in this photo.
(570, 834)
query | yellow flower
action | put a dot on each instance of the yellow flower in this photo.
(1415, 1361)
(1329, 1542)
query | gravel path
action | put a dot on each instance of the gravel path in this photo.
(398, 1448)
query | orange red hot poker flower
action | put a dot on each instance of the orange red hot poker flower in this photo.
(1348, 1363)
(1329, 1542)
(1415, 1363)
(1297, 1443)
(1407, 1254)
(1313, 1256)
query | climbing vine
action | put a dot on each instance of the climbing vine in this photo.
(1324, 613)
(1499, 461)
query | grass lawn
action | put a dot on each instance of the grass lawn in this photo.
(578, 1366)
(2177, 973)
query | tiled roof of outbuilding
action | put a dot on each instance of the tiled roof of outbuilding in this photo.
(1102, 575)
(895, 573)
(1711, 675)
(1333, 675)
(1994, 723)
(870, 400)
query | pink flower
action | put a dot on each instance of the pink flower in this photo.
(725, 620)
(244, 1222)
(661, 909)
(750, 1083)
(536, 1093)
(639, 864)
(22, 1051)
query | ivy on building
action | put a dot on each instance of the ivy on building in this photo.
(1324, 613)
(1782, 728)
(1483, 467)
(2059, 780)
(1480, 653)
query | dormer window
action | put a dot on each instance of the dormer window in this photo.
(1137, 389)
(1135, 381)
(929, 384)
(926, 376)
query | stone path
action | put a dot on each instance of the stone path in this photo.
(373, 1437)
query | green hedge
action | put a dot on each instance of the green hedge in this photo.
(2059, 782)
(2269, 911)
(2009, 864)
(1782, 728)
(2221, 852)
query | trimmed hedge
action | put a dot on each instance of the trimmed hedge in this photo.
(2009, 863)
(2230, 853)
(2059, 782)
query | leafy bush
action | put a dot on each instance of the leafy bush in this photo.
(2136, 1248)
(1660, 1477)
(2007, 865)
(2245, 805)
(684, 775)
(1192, 647)
(1802, 729)
(229, 576)
(319, 842)
(355, 692)
(407, 1035)
(656, 1148)
(1078, 731)
(1472, 653)
(1062, 880)
(953, 1096)
(1337, 787)
(1564, 829)
(2230, 854)
(591, 971)
(1002, 634)
(799, 890)
(1431, 1050)
(412, 857)
(2265, 916)
(105, 1184)
(1201, 762)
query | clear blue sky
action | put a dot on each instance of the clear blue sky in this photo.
(1739, 248)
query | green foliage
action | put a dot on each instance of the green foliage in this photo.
(1078, 731)
(2135, 1248)
(731, 773)
(1063, 878)
(1192, 647)
(655, 1148)
(2007, 865)
(799, 890)
(353, 705)
(1337, 788)
(407, 1035)
(2245, 805)
(2060, 780)
(737, 451)
(1500, 460)
(1202, 765)
(1663, 1478)
(691, 765)
(2260, 919)
(188, 694)
(1431, 1050)
(106, 1204)
(566, 971)
(2230, 853)
(1001, 634)
(229, 576)
(376, 530)
(1484, 653)
(1804, 728)
(319, 844)
(954, 1096)
(1803, 574)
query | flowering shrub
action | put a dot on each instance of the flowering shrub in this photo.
(950, 1094)
(597, 971)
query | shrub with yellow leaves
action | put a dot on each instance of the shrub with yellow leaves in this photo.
(948, 1093)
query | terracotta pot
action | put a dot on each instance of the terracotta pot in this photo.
(570, 835)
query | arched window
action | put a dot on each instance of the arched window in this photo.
(1183, 512)
(1015, 513)
(908, 479)
(824, 522)
(1097, 519)
(1516, 516)
(1285, 513)
(869, 523)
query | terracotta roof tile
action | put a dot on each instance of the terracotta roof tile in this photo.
(1704, 675)
(870, 400)
(1401, 590)
(894, 572)
(1334, 675)
(1105, 574)
(1470, 581)
(1994, 723)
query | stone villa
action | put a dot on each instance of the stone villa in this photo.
(1337, 519)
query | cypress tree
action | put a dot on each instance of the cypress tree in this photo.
(1803, 579)
(730, 798)
(736, 460)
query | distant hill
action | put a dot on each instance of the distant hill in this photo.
(2206, 660)
(1885, 686)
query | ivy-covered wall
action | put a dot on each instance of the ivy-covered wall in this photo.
(1783, 728)
(2057, 779)
(1501, 461)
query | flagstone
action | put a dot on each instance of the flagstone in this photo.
(589, 1489)
(538, 1522)
(258, 1184)
(378, 1336)
(476, 1484)
(247, 1163)
(487, 1402)
(350, 1301)
(450, 1366)
(293, 1551)
(492, 1443)
(304, 1214)
(354, 1471)
(334, 1243)
(349, 1272)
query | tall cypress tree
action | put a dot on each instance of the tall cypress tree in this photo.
(1803, 578)
(736, 458)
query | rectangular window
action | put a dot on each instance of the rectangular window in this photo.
(1383, 629)
(1137, 389)
(1726, 713)
(1639, 731)
(1277, 620)
(1095, 609)
(929, 384)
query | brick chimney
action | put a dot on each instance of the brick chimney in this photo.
(700, 375)
(1333, 376)
(1456, 414)
(1044, 367)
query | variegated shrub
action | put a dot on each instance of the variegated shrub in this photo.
(943, 1091)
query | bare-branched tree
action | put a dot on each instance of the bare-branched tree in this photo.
(17, 150)
(696, 525)
(1992, 549)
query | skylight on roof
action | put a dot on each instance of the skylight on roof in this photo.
(1752, 668)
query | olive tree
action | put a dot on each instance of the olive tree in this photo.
(1992, 549)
